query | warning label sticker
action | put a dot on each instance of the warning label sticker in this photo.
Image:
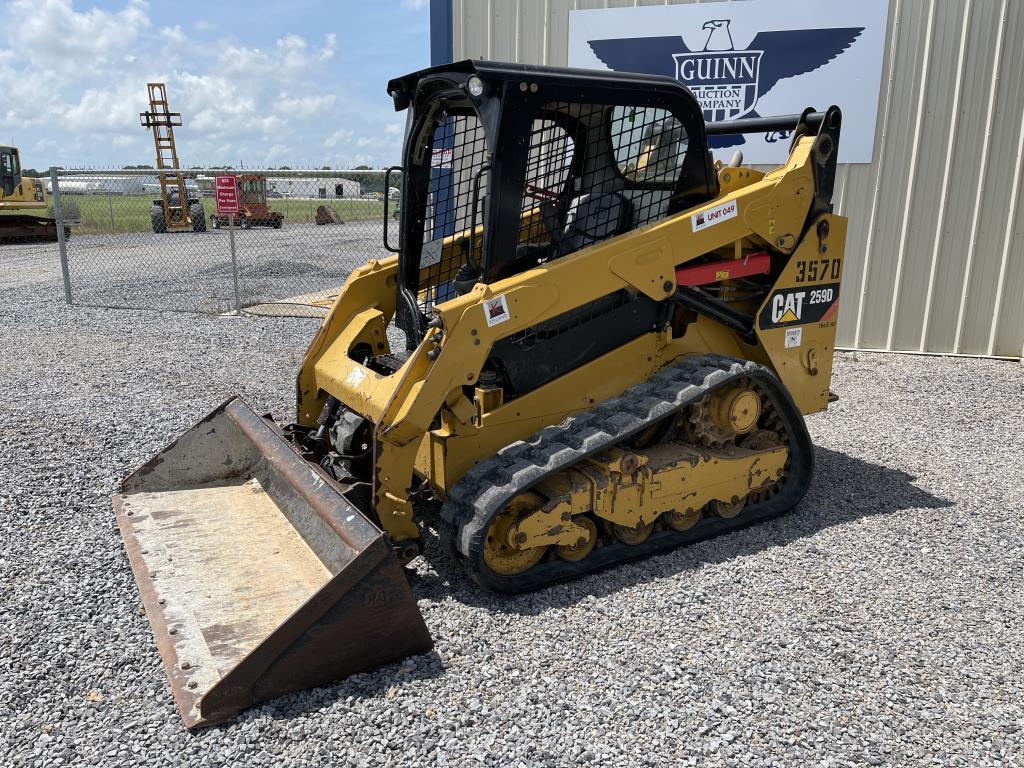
(496, 310)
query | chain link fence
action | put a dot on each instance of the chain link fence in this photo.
(297, 236)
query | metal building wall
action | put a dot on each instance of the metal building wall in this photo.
(935, 255)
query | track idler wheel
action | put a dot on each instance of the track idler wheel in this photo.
(501, 557)
(584, 546)
(682, 521)
(728, 510)
(633, 536)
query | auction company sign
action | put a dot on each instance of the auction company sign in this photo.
(755, 58)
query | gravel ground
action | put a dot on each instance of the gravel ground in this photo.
(878, 624)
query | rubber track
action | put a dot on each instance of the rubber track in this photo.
(486, 488)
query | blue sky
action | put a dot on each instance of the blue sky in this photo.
(260, 83)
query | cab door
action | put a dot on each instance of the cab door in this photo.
(10, 170)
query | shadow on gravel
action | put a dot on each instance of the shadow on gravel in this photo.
(844, 489)
(312, 700)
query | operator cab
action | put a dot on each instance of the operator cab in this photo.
(506, 167)
(10, 170)
(253, 190)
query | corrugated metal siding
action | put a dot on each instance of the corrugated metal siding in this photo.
(934, 258)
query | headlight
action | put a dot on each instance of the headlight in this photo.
(475, 86)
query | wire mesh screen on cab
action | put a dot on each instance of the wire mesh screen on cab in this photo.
(459, 158)
(547, 171)
(615, 173)
(592, 171)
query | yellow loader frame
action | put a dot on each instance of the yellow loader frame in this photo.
(771, 208)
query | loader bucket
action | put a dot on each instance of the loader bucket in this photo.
(258, 576)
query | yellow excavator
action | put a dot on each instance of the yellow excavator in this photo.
(594, 343)
(18, 193)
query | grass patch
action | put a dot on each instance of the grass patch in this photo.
(112, 214)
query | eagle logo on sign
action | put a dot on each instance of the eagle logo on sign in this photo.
(726, 81)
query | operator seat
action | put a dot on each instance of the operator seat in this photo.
(592, 218)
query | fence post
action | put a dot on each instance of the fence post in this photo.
(234, 263)
(62, 245)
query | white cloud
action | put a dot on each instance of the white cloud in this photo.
(295, 53)
(327, 52)
(54, 49)
(213, 103)
(303, 106)
(271, 127)
(173, 34)
(276, 154)
(415, 5)
(113, 109)
(380, 145)
(239, 60)
(290, 56)
(73, 80)
(72, 41)
(29, 98)
(340, 136)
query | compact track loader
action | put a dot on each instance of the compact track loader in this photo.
(594, 343)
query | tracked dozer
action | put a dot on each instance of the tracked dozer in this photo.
(594, 343)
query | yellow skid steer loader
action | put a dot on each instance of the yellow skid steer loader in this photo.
(594, 343)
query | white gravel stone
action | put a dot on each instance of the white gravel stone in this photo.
(879, 624)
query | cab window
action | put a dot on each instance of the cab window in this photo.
(8, 171)
(252, 191)
(649, 144)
